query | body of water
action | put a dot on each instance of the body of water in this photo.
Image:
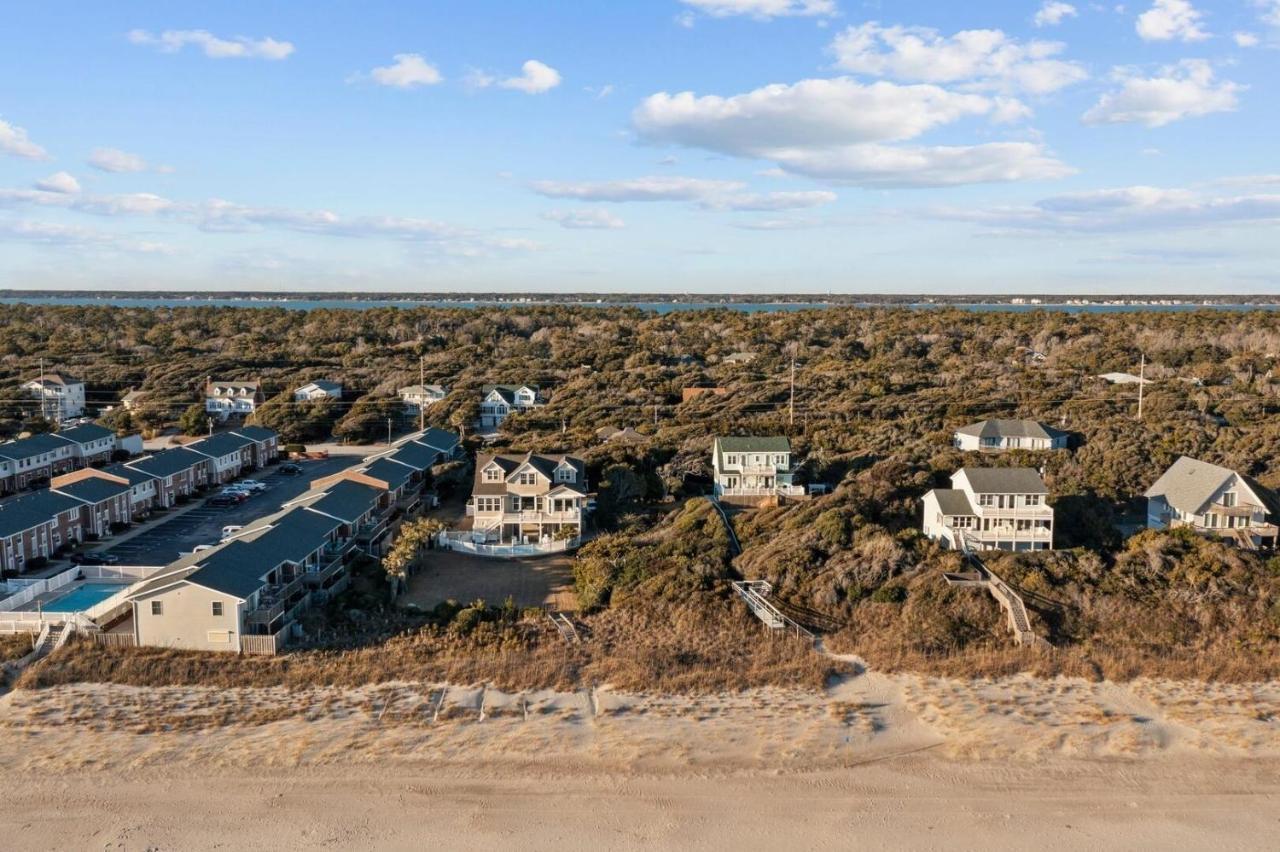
(304, 304)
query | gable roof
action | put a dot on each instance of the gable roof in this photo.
(1189, 483)
(322, 384)
(751, 444)
(238, 387)
(437, 439)
(543, 464)
(291, 537)
(389, 471)
(231, 569)
(86, 432)
(168, 462)
(56, 377)
(135, 477)
(1003, 480)
(508, 392)
(1010, 429)
(32, 510)
(257, 434)
(33, 445)
(219, 445)
(93, 489)
(953, 501)
(417, 456)
(346, 500)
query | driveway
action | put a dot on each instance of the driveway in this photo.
(169, 539)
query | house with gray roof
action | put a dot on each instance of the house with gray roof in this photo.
(61, 395)
(229, 454)
(90, 443)
(999, 435)
(753, 467)
(178, 473)
(418, 397)
(528, 498)
(991, 508)
(498, 402)
(1213, 500)
(36, 526)
(319, 389)
(223, 399)
(29, 460)
(104, 500)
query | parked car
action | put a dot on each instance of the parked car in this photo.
(290, 469)
(94, 558)
(223, 499)
(251, 485)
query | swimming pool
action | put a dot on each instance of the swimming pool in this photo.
(82, 597)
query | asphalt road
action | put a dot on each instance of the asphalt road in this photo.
(168, 540)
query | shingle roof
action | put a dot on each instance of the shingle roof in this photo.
(437, 439)
(219, 445)
(32, 510)
(347, 500)
(34, 445)
(1009, 429)
(323, 384)
(953, 501)
(85, 433)
(291, 538)
(508, 392)
(93, 489)
(168, 462)
(232, 569)
(751, 444)
(56, 378)
(1004, 480)
(391, 472)
(1189, 483)
(135, 477)
(544, 464)
(255, 433)
(416, 456)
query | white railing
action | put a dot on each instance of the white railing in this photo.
(465, 542)
(780, 490)
(38, 588)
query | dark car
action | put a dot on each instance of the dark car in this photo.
(223, 500)
(290, 469)
(94, 559)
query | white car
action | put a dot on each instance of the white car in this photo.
(251, 485)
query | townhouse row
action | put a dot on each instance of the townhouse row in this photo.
(246, 594)
(93, 502)
(32, 461)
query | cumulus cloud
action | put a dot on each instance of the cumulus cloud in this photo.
(407, 71)
(535, 78)
(763, 10)
(1245, 39)
(1269, 12)
(76, 237)
(1185, 90)
(706, 193)
(14, 141)
(981, 58)
(837, 129)
(59, 182)
(1170, 20)
(585, 220)
(115, 160)
(1133, 208)
(239, 47)
(1053, 12)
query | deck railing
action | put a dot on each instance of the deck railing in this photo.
(463, 542)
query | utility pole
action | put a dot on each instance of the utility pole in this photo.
(209, 420)
(655, 415)
(388, 431)
(422, 395)
(791, 406)
(1142, 371)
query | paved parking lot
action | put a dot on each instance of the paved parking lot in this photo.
(168, 540)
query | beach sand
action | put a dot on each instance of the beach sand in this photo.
(876, 761)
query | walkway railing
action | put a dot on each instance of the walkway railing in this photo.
(463, 542)
(754, 594)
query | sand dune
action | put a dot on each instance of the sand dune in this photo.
(901, 759)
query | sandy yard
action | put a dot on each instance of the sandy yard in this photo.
(876, 761)
(446, 575)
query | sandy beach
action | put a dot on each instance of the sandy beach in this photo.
(875, 761)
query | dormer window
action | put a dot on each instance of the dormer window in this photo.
(492, 474)
(565, 474)
(528, 478)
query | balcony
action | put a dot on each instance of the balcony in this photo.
(533, 516)
(275, 601)
(371, 530)
(326, 572)
(764, 491)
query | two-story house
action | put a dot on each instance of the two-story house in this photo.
(999, 435)
(529, 498)
(31, 460)
(61, 395)
(991, 508)
(753, 467)
(418, 397)
(319, 389)
(90, 443)
(231, 399)
(177, 472)
(142, 487)
(497, 402)
(266, 444)
(229, 454)
(1213, 500)
(104, 500)
(35, 526)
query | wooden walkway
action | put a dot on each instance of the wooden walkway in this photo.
(1010, 601)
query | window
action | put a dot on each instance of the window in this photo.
(217, 609)
(528, 478)
(1033, 499)
(565, 474)
(986, 500)
(492, 474)
(731, 459)
(157, 607)
(1229, 499)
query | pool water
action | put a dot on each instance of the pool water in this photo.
(83, 597)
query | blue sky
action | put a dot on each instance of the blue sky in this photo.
(666, 145)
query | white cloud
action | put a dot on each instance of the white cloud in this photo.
(77, 237)
(585, 219)
(59, 182)
(764, 9)
(787, 224)
(1270, 12)
(1169, 20)
(408, 71)
(535, 79)
(982, 58)
(1244, 39)
(1133, 208)
(240, 47)
(115, 160)
(836, 129)
(706, 193)
(1053, 12)
(14, 141)
(1185, 90)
